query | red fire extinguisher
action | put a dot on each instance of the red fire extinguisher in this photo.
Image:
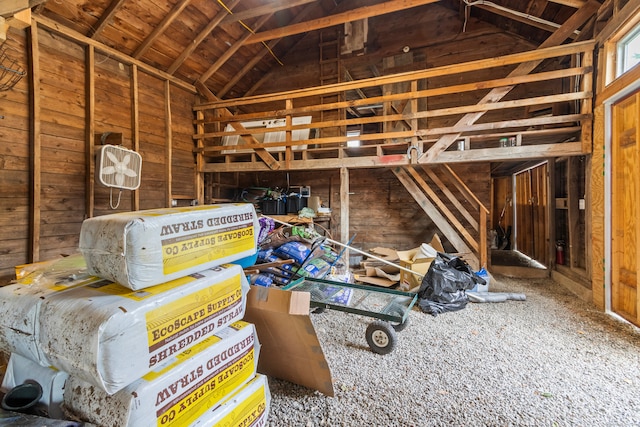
(560, 252)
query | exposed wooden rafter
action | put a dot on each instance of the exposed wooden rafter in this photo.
(571, 3)
(308, 10)
(537, 23)
(232, 50)
(106, 18)
(338, 19)
(158, 30)
(268, 9)
(201, 36)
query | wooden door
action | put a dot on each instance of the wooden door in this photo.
(531, 213)
(625, 208)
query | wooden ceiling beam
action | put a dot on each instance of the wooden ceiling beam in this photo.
(577, 4)
(201, 36)
(536, 7)
(106, 18)
(160, 28)
(338, 19)
(10, 7)
(498, 154)
(537, 23)
(263, 10)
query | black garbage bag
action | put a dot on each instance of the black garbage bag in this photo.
(443, 287)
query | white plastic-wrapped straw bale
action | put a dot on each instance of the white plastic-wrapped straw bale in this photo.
(248, 407)
(109, 335)
(20, 302)
(145, 248)
(196, 381)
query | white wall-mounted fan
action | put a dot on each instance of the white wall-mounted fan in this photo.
(118, 167)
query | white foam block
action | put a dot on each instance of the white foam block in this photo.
(196, 381)
(146, 248)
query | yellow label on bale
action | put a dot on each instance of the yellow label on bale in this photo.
(111, 288)
(206, 393)
(184, 315)
(249, 411)
(180, 253)
(192, 352)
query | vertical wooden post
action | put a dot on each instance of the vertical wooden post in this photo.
(573, 206)
(551, 223)
(135, 127)
(90, 127)
(483, 238)
(168, 142)
(586, 133)
(414, 124)
(288, 122)
(36, 142)
(344, 209)
(200, 158)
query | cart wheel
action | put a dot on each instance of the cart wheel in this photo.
(381, 337)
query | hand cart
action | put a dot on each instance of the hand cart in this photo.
(389, 306)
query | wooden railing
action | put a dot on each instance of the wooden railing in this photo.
(541, 114)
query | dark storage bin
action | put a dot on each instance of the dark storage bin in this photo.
(274, 207)
(295, 204)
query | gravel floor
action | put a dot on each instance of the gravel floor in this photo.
(549, 361)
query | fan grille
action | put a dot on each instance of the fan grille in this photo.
(119, 167)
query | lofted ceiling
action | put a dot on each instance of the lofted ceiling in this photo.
(229, 45)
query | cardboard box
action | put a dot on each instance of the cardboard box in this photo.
(414, 260)
(197, 380)
(290, 347)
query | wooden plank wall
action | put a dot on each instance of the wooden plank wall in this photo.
(151, 115)
(14, 162)
(61, 69)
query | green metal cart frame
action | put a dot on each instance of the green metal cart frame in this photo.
(389, 306)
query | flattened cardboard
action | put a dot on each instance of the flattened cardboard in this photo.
(290, 347)
(385, 253)
(376, 281)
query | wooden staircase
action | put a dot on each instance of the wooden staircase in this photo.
(452, 206)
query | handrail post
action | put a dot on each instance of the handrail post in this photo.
(483, 238)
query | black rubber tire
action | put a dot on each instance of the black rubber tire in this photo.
(381, 337)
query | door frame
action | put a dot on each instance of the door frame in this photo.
(608, 187)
